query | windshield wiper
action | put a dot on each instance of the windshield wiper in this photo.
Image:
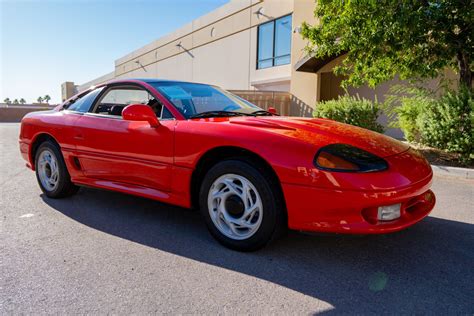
(262, 113)
(216, 113)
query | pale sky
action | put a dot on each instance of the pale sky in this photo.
(46, 42)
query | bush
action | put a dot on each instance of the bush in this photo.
(444, 122)
(403, 107)
(448, 123)
(351, 110)
(408, 113)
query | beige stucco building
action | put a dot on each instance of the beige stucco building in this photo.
(242, 45)
(222, 48)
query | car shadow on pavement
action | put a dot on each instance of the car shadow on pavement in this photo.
(425, 269)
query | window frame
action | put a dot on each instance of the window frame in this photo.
(125, 86)
(66, 106)
(274, 43)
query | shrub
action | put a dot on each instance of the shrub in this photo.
(403, 107)
(408, 113)
(351, 110)
(440, 120)
(448, 123)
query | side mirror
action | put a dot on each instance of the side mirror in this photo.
(140, 112)
(272, 110)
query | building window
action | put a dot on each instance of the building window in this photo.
(274, 43)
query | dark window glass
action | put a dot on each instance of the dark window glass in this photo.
(84, 103)
(166, 114)
(192, 98)
(274, 43)
(116, 99)
(283, 38)
(265, 63)
(265, 45)
(284, 60)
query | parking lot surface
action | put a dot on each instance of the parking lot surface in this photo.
(105, 252)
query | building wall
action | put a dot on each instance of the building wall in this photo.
(304, 86)
(218, 48)
(68, 89)
(221, 48)
(96, 81)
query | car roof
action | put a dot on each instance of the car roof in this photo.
(158, 80)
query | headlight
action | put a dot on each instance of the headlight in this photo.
(347, 158)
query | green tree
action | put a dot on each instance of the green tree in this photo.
(47, 98)
(40, 99)
(16, 101)
(7, 101)
(22, 101)
(415, 39)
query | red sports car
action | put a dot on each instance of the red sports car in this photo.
(251, 173)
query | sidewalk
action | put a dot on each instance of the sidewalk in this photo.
(464, 173)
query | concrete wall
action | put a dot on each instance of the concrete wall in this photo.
(96, 81)
(68, 89)
(218, 48)
(304, 86)
(16, 113)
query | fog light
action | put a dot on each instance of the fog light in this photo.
(389, 212)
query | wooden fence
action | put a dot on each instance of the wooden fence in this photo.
(265, 99)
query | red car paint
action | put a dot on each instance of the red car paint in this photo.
(158, 162)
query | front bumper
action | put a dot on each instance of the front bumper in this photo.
(25, 152)
(349, 211)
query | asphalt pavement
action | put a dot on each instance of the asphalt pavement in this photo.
(104, 252)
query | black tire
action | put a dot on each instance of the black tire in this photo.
(273, 223)
(64, 186)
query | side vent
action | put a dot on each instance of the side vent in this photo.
(77, 164)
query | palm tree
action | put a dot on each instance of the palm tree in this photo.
(46, 98)
(40, 99)
(7, 101)
(22, 101)
(16, 101)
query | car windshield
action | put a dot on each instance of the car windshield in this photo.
(195, 100)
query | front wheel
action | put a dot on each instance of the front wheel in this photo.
(242, 206)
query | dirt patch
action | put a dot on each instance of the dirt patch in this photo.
(441, 158)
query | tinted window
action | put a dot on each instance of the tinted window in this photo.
(126, 96)
(192, 98)
(84, 103)
(166, 114)
(274, 43)
(265, 45)
(116, 99)
(282, 40)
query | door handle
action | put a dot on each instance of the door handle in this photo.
(78, 137)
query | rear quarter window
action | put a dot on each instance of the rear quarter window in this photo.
(84, 103)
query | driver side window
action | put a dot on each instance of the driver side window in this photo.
(83, 103)
(117, 98)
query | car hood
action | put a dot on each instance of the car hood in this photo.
(321, 132)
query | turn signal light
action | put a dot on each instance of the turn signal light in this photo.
(327, 160)
(347, 158)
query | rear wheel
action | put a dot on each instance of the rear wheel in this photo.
(242, 207)
(51, 172)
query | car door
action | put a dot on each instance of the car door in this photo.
(128, 152)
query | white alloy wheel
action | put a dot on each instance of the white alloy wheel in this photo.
(235, 206)
(48, 170)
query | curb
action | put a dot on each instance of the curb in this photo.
(456, 172)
